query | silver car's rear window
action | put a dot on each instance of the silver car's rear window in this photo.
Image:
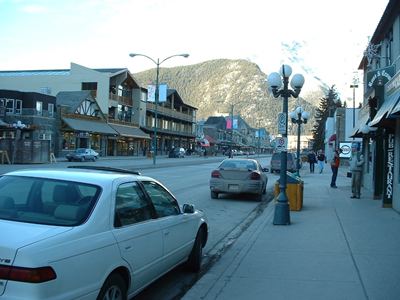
(46, 201)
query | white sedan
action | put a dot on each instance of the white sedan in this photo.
(91, 234)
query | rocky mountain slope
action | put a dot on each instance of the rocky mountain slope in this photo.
(210, 85)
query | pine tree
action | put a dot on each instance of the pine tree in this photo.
(326, 108)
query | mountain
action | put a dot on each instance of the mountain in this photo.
(210, 85)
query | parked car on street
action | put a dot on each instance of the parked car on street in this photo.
(92, 233)
(177, 152)
(300, 162)
(275, 164)
(83, 154)
(239, 175)
(251, 152)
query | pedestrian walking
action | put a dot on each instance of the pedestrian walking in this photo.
(356, 161)
(321, 157)
(205, 153)
(335, 163)
(311, 159)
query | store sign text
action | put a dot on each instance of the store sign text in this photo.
(390, 163)
(379, 75)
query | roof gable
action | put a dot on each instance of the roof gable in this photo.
(80, 103)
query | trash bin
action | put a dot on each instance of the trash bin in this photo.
(150, 154)
(294, 191)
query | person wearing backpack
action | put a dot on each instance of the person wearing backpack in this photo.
(335, 163)
(356, 161)
(321, 157)
(311, 159)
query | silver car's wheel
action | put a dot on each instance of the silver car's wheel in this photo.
(113, 289)
(83, 158)
(214, 195)
(94, 158)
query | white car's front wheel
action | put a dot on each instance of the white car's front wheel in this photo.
(194, 261)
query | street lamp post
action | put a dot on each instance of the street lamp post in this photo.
(156, 99)
(354, 86)
(299, 113)
(232, 106)
(18, 126)
(259, 136)
(282, 212)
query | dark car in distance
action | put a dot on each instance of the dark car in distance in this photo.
(177, 152)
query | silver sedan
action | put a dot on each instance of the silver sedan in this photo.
(239, 175)
(83, 154)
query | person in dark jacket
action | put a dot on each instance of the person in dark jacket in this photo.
(335, 163)
(311, 159)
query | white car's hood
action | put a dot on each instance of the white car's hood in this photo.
(16, 235)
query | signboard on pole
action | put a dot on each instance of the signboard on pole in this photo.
(281, 144)
(162, 93)
(282, 123)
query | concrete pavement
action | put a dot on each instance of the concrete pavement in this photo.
(335, 248)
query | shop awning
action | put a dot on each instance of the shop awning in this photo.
(395, 111)
(332, 138)
(356, 132)
(210, 139)
(205, 143)
(89, 126)
(2, 123)
(130, 131)
(386, 109)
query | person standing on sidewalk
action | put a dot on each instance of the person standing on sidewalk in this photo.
(311, 159)
(321, 157)
(335, 163)
(356, 166)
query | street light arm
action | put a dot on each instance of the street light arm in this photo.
(184, 55)
(135, 54)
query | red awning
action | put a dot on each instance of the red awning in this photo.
(332, 138)
(210, 139)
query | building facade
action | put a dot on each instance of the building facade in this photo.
(379, 125)
(122, 101)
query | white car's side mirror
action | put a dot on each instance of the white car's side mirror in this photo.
(188, 208)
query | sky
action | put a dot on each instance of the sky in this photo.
(318, 38)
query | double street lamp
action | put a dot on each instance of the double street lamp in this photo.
(156, 99)
(232, 106)
(282, 212)
(296, 118)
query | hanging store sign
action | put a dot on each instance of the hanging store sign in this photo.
(380, 77)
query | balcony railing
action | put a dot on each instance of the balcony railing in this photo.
(121, 99)
(118, 122)
(170, 112)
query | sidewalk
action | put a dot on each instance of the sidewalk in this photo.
(335, 248)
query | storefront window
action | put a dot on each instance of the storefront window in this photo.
(69, 141)
(122, 148)
(95, 141)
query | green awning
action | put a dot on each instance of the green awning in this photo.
(89, 126)
(386, 109)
